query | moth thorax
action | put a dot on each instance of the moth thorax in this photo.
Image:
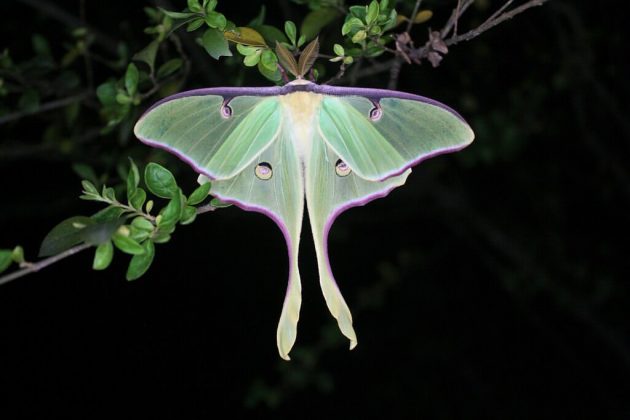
(301, 109)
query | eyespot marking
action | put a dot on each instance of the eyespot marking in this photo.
(226, 111)
(263, 171)
(342, 168)
(377, 112)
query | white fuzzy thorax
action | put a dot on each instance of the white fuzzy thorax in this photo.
(300, 110)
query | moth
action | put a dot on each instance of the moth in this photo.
(274, 150)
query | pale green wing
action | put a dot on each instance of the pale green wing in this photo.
(331, 188)
(235, 137)
(216, 137)
(272, 184)
(382, 137)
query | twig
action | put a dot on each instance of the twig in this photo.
(420, 53)
(49, 106)
(394, 72)
(35, 267)
(492, 22)
(32, 268)
(206, 208)
(455, 16)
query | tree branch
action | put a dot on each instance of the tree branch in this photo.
(49, 106)
(420, 53)
(34, 267)
(29, 268)
(494, 20)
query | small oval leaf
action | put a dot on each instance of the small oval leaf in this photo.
(127, 245)
(160, 180)
(103, 256)
(5, 259)
(246, 36)
(200, 194)
(140, 263)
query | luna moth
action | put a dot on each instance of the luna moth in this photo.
(273, 149)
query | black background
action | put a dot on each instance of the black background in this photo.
(494, 284)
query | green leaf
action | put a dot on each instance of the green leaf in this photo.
(273, 75)
(200, 194)
(252, 59)
(195, 24)
(301, 40)
(374, 51)
(194, 6)
(109, 194)
(215, 202)
(359, 12)
(88, 187)
(188, 215)
(131, 79)
(210, 5)
(316, 20)
(133, 179)
(160, 180)
(170, 67)
(359, 36)
(103, 256)
(5, 259)
(291, 31)
(350, 25)
(106, 93)
(178, 15)
(162, 237)
(215, 44)
(123, 99)
(338, 49)
(246, 50)
(127, 244)
(64, 236)
(172, 212)
(372, 12)
(375, 30)
(74, 231)
(139, 264)
(143, 224)
(137, 199)
(147, 54)
(216, 20)
(138, 235)
(17, 255)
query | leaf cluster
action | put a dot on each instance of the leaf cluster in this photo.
(133, 225)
